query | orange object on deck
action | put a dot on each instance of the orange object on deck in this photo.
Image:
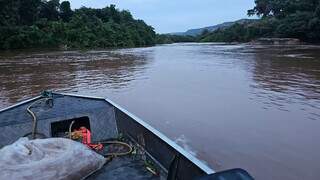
(86, 139)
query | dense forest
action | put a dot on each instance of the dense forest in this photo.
(39, 23)
(42, 23)
(278, 18)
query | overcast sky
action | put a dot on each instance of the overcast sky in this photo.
(177, 15)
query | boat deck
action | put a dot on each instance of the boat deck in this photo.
(124, 168)
(105, 120)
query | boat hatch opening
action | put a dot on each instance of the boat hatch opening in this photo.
(59, 129)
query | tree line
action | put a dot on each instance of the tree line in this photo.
(39, 23)
(42, 23)
(278, 18)
(169, 38)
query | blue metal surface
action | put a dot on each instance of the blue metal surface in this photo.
(108, 119)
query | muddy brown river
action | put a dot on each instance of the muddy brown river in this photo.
(252, 107)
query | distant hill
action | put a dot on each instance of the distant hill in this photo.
(196, 32)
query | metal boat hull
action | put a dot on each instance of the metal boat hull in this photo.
(106, 120)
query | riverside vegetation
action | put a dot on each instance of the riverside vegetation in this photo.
(278, 19)
(38, 23)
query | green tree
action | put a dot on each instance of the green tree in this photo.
(28, 11)
(50, 10)
(9, 13)
(279, 18)
(35, 23)
(65, 11)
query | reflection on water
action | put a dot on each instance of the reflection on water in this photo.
(25, 75)
(253, 107)
(292, 75)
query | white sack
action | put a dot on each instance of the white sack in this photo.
(54, 158)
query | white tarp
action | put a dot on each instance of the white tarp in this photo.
(54, 158)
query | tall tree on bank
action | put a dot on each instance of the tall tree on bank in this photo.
(28, 11)
(298, 18)
(65, 11)
(50, 10)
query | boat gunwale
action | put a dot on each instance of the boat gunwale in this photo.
(19, 103)
(171, 143)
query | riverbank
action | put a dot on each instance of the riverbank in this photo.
(66, 29)
(276, 41)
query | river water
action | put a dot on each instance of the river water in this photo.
(252, 107)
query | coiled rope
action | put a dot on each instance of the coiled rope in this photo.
(115, 154)
(34, 117)
(106, 143)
